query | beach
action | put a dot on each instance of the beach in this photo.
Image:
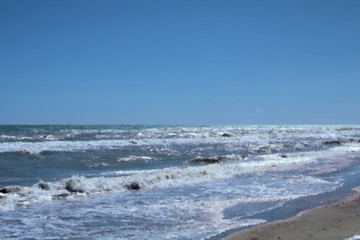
(181, 120)
(340, 220)
(172, 182)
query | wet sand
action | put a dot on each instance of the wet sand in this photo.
(336, 221)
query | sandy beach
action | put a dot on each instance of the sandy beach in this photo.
(336, 221)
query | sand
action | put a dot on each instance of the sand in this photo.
(337, 221)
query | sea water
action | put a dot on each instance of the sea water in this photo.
(139, 182)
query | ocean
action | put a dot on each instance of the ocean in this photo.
(166, 182)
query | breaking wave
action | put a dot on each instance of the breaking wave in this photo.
(121, 181)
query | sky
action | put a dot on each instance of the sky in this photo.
(198, 62)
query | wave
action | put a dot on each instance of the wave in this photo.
(253, 145)
(69, 146)
(73, 146)
(324, 161)
(251, 132)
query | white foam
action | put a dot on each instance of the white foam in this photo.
(355, 237)
(183, 176)
(254, 136)
(69, 146)
(133, 158)
(190, 199)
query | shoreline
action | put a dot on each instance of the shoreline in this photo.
(339, 220)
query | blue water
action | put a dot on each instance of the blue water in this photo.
(74, 182)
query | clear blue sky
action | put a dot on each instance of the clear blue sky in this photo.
(179, 62)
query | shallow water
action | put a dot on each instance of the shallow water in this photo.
(75, 181)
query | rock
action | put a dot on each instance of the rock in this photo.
(283, 156)
(133, 186)
(225, 135)
(4, 190)
(331, 142)
(263, 150)
(133, 142)
(71, 188)
(208, 160)
(204, 161)
(43, 185)
(60, 196)
(11, 189)
(170, 177)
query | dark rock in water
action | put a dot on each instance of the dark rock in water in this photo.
(4, 190)
(60, 196)
(133, 142)
(170, 177)
(208, 160)
(10, 189)
(283, 156)
(332, 142)
(204, 161)
(225, 135)
(43, 185)
(71, 188)
(133, 186)
(263, 150)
